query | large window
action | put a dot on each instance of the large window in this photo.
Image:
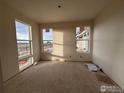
(83, 39)
(24, 44)
(47, 40)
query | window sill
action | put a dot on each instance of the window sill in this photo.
(84, 52)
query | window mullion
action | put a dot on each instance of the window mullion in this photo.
(30, 42)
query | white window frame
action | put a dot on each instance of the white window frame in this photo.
(46, 40)
(30, 43)
(89, 39)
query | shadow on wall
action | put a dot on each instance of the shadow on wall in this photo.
(58, 43)
(63, 44)
(58, 46)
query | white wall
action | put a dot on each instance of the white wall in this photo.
(1, 30)
(64, 42)
(1, 83)
(108, 43)
(9, 55)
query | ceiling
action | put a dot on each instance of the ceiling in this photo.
(47, 11)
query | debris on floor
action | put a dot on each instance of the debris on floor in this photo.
(103, 79)
(92, 67)
(35, 63)
(100, 75)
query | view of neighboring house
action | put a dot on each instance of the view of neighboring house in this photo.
(83, 39)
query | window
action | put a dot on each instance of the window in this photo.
(47, 40)
(82, 39)
(24, 44)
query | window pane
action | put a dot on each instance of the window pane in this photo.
(23, 48)
(22, 31)
(24, 44)
(47, 34)
(82, 33)
(82, 38)
(48, 40)
(82, 46)
(48, 46)
(25, 63)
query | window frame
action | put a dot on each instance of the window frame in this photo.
(46, 40)
(89, 41)
(30, 43)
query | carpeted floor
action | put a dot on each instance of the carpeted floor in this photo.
(54, 77)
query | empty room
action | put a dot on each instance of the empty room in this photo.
(61, 46)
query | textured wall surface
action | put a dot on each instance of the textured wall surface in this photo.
(108, 43)
(9, 58)
(1, 31)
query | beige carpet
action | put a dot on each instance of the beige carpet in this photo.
(54, 77)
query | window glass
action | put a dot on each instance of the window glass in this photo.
(24, 63)
(82, 39)
(22, 31)
(24, 44)
(48, 40)
(23, 48)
